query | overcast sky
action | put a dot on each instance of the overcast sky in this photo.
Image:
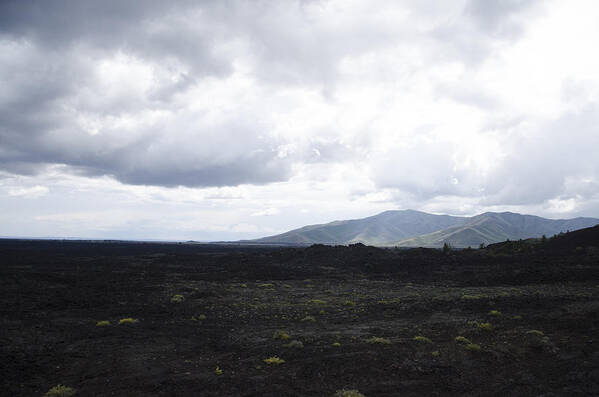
(224, 119)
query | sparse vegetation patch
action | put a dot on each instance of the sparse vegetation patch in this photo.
(127, 320)
(462, 340)
(280, 335)
(177, 298)
(294, 344)
(274, 360)
(473, 347)
(378, 340)
(60, 391)
(422, 339)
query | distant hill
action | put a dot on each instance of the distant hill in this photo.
(408, 228)
(383, 229)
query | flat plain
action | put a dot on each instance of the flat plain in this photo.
(151, 319)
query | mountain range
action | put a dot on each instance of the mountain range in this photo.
(409, 228)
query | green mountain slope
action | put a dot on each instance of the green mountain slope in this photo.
(382, 229)
(490, 227)
(409, 228)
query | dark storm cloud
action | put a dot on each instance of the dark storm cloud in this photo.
(51, 88)
(51, 50)
(147, 29)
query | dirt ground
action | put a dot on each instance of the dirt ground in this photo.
(381, 321)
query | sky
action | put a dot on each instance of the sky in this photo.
(225, 120)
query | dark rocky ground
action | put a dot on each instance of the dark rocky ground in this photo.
(333, 300)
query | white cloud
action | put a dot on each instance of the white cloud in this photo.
(267, 212)
(29, 192)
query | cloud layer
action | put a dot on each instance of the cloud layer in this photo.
(455, 107)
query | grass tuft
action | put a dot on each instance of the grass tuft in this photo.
(463, 340)
(280, 335)
(473, 347)
(103, 323)
(422, 339)
(274, 360)
(378, 340)
(127, 320)
(472, 297)
(60, 391)
(177, 298)
(482, 326)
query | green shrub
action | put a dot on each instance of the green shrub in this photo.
(127, 320)
(274, 360)
(243, 285)
(377, 340)
(218, 371)
(348, 393)
(436, 353)
(177, 298)
(483, 326)
(518, 317)
(60, 391)
(103, 323)
(422, 339)
(473, 347)
(495, 313)
(336, 344)
(461, 339)
(309, 318)
(281, 335)
(349, 303)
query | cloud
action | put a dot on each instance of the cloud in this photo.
(173, 94)
(29, 192)
(500, 17)
(556, 158)
(267, 212)
(321, 110)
